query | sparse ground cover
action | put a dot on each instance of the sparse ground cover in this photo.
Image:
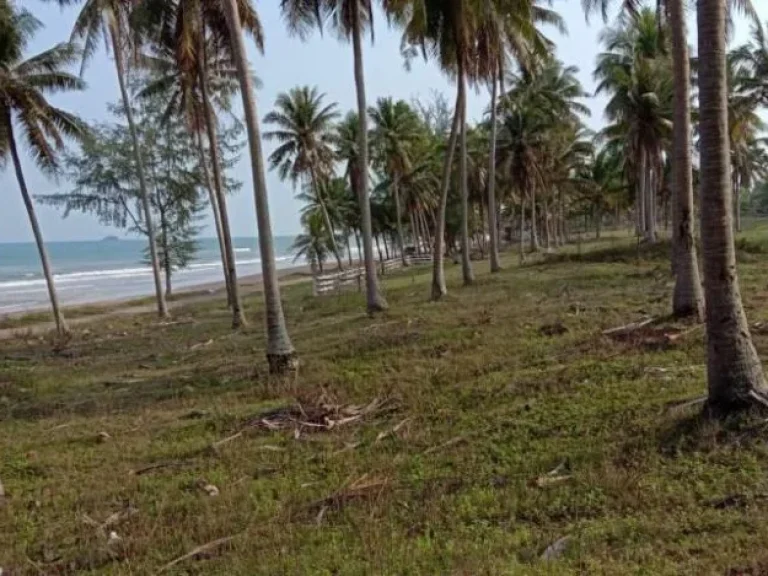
(463, 437)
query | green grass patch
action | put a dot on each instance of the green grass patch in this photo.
(459, 437)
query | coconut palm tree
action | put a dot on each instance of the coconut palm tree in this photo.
(24, 84)
(349, 18)
(744, 127)
(313, 244)
(110, 20)
(395, 128)
(735, 376)
(303, 128)
(636, 73)
(189, 95)
(281, 354)
(687, 298)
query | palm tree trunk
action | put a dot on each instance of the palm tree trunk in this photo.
(438, 272)
(427, 231)
(737, 201)
(534, 224)
(349, 250)
(415, 233)
(166, 256)
(466, 263)
(375, 300)
(326, 218)
(545, 223)
(734, 373)
(230, 261)
(61, 324)
(399, 217)
(492, 209)
(281, 356)
(386, 248)
(357, 243)
(216, 217)
(687, 298)
(521, 245)
(162, 309)
(598, 220)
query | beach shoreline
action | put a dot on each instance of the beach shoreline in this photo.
(92, 311)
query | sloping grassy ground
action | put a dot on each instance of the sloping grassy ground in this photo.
(464, 437)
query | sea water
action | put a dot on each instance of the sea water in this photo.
(112, 269)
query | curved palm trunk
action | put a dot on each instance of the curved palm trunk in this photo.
(216, 217)
(162, 308)
(734, 373)
(687, 299)
(281, 354)
(238, 316)
(61, 325)
(438, 272)
(492, 208)
(375, 300)
(326, 219)
(399, 218)
(466, 263)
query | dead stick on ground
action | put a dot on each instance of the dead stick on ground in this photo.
(628, 328)
(202, 549)
(451, 442)
(227, 439)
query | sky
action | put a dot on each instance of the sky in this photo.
(321, 61)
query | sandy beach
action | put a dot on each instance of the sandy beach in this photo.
(89, 312)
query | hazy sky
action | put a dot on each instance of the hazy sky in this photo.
(322, 61)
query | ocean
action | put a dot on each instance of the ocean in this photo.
(111, 269)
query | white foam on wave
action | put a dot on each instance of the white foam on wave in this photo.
(35, 284)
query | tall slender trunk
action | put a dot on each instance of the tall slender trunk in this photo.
(349, 250)
(466, 262)
(399, 217)
(427, 231)
(211, 127)
(734, 373)
(114, 33)
(492, 209)
(280, 352)
(438, 272)
(61, 324)
(386, 247)
(216, 217)
(534, 223)
(166, 256)
(737, 201)
(326, 218)
(375, 300)
(687, 299)
(545, 223)
(521, 244)
(357, 243)
(415, 232)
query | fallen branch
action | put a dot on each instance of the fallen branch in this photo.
(201, 345)
(202, 549)
(628, 328)
(677, 407)
(152, 468)
(451, 442)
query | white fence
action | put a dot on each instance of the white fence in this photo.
(337, 282)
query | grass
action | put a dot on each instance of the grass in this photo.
(481, 396)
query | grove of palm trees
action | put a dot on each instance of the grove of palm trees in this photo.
(541, 349)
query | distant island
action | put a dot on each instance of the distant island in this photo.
(110, 239)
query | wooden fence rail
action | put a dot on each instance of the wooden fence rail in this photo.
(337, 282)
